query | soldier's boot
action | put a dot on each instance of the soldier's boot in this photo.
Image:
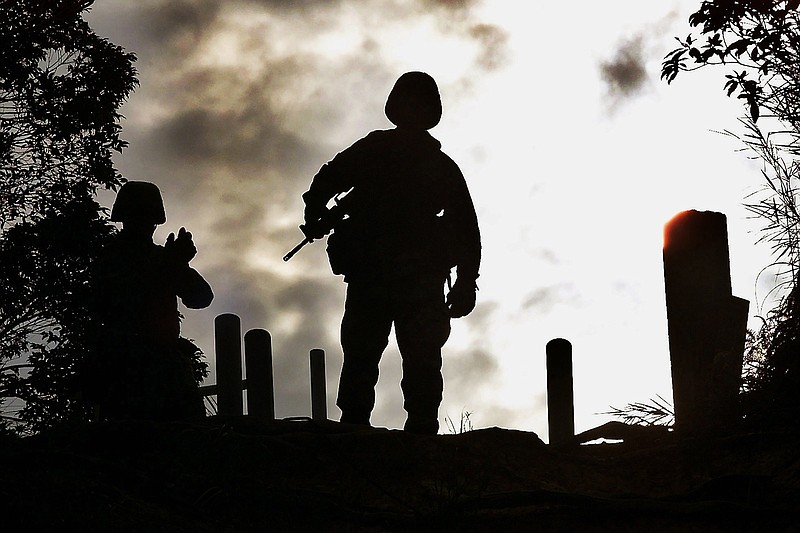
(423, 413)
(352, 417)
(421, 426)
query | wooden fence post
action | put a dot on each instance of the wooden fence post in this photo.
(259, 381)
(560, 406)
(228, 348)
(319, 405)
(706, 324)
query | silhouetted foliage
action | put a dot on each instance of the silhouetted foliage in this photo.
(762, 37)
(61, 86)
(771, 389)
(760, 40)
(657, 411)
(46, 316)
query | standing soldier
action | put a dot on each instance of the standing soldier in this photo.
(410, 220)
(143, 368)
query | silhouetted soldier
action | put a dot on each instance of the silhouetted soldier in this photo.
(410, 220)
(143, 368)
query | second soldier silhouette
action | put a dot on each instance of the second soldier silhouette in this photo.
(143, 368)
(410, 220)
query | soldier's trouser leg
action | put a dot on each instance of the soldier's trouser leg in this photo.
(366, 325)
(422, 327)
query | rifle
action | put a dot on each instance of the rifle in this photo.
(326, 223)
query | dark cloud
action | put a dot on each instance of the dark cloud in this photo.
(479, 321)
(248, 138)
(469, 370)
(544, 298)
(177, 25)
(450, 4)
(625, 74)
(457, 17)
(493, 42)
(152, 28)
(548, 256)
(294, 6)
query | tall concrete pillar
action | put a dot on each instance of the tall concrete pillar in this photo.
(319, 405)
(560, 406)
(258, 364)
(706, 324)
(228, 348)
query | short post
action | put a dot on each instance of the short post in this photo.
(258, 362)
(228, 348)
(560, 407)
(319, 406)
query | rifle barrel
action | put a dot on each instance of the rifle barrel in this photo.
(296, 249)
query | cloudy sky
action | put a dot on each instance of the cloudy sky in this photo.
(575, 152)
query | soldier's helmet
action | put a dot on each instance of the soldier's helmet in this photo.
(139, 201)
(414, 102)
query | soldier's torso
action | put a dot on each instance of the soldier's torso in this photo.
(402, 188)
(136, 290)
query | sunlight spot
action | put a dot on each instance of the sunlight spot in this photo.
(602, 440)
(287, 323)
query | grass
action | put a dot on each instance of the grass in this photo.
(657, 411)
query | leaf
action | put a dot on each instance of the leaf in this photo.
(677, 52)
(739, 47)
(695, 19)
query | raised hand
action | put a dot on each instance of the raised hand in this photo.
(181, 248)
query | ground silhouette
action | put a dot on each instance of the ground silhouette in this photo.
(245, 473)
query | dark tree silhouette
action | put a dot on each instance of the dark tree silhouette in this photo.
(61, 86)
(46, 322)
(760, 37)
(759, 41)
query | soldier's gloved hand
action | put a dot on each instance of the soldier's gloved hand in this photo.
(461, 298)
(181, 248)
(312, 228)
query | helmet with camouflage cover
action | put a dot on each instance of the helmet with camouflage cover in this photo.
(141, 201)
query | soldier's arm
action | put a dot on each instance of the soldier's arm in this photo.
(336, 176)
(466, 242)
(467, 235)
(193, 290)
